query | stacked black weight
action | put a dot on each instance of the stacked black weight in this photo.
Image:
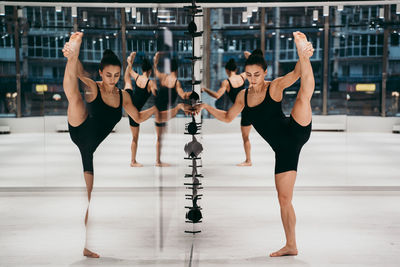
(193, 149)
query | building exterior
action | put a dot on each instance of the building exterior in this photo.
(356, 46)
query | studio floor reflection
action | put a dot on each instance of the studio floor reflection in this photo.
(345, 198)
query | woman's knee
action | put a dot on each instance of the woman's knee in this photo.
(135, 139)
(285, 200)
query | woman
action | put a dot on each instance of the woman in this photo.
(233, 85)
(262, 105)
(90, 125)
(144, 87)
(166, 96)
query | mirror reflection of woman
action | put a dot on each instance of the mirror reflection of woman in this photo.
(140, 93)
(232, 86)
(90, 124)
(285, 135)
(170, 88)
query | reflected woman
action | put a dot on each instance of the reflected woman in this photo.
(90, 124)
(232, 86)
(144, 88)
(286, 135)
(170, 89)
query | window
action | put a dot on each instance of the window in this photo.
(345, 70)
(227, 15)
(394, 39)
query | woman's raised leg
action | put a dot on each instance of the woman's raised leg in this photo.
(77, 112)
(301, 111)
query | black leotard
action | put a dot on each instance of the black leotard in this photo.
(285, 136)
(139, 97)
(99, 123)
(166, 97)
(232, 93)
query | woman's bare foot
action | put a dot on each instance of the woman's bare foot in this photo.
(161, 164)
(300, 40)
(90, 254)
(244, 164)
(304, 48)
(131, 58)
(130, 61)
(285, 251)
(74, 44)
(136, 164)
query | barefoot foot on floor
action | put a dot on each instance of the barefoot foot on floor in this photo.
(90, 254)
(285, 251)
(244, 164)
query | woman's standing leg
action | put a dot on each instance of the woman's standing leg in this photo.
(284, 183)
(134, 146)
(246, 144)
(89, 178)
(160, 129)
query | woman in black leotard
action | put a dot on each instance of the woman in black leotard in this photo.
(233, 85)
(286, 136)
(89, 126)
(144, 87)
(170, 88)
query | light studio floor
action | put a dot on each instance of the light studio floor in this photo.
(346, 199)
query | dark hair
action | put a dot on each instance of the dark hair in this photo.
(231, 65)
(109, 58)
(146, 65)
(174, 65)
(257, 52)
(256, 58)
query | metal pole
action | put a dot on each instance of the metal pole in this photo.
(17, 61)
(123, 37)
(75, 21)
(325, 69)
(206, 47)
(262, 29)
(277, 43)
(385, 61)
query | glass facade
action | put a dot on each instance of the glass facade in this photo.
(356, 45)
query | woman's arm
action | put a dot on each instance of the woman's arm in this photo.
(132, 111)
(90, 85)
(290, 78)
(226, 116)
(286, 81)
(181, 93)
(171, 113)
(84, 76)
(153, 87)
(220, 91)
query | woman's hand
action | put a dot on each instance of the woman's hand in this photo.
(198, 108)
(131, 59)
